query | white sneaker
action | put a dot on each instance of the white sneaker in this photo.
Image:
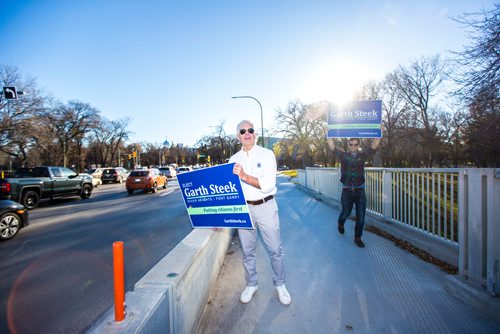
(247, 294)
(283, 294)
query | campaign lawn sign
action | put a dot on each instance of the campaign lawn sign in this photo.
(357, 119)
(214, 198)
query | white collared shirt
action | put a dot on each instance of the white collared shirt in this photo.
(259, 162)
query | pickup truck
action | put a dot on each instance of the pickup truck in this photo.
(30, 185)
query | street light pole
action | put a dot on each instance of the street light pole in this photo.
(261, 114)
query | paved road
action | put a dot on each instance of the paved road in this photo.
(56, 275)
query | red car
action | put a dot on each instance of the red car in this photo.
(146, 179)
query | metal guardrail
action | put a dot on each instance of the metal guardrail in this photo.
(425, 199)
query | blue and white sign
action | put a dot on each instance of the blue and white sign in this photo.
(214, 198)
(357, 119)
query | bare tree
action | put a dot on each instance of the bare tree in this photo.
(298, 124)
(478, 77)
(478, 65)
(483, 130)
(220, 144)
(452, 152)
(417, 85)
(70, 124)
(393, 107)
(17, 117)
(150, 154)
(210, 146)
(107, 139)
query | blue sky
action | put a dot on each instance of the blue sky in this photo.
(172, 66)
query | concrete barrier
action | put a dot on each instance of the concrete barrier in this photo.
(171, 296)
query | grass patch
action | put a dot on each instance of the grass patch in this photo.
(291, 173)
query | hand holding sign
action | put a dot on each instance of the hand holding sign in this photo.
(238, 170)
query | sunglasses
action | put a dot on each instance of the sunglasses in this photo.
(250, 131)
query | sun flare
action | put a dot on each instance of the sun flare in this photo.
(336, 82)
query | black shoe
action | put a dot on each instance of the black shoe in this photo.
(341, 228)
(359, 242)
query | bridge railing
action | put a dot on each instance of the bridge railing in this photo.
(452, 213)
(425, 199)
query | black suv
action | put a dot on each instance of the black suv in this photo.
(114, 175)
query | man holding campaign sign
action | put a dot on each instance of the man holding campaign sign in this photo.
(355, 120)
(256, 168)
(240, 195)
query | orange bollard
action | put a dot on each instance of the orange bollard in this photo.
(119, 279)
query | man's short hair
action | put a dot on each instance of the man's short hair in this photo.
(245, 121)
(356, 139)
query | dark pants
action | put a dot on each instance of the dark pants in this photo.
(348, 199)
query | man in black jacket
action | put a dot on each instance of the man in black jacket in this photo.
(352, 167)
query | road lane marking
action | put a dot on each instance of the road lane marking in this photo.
(168, 191)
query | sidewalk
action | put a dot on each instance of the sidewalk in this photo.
(335, 286)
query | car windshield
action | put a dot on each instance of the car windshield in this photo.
(139, 173)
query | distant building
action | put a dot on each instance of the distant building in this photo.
(269, 142)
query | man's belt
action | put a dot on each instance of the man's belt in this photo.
(261, 201)
(354, 188)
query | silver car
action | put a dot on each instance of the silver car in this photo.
(169, 171)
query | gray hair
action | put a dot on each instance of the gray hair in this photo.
(241, 123)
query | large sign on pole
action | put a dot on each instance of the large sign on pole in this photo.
(214, 198)
(357, 119)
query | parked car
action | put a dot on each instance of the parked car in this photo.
(169, 171)
(146, 179)
(13, 217)
(114, 175)
(183, 169)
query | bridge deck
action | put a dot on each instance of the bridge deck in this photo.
(335, 286)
